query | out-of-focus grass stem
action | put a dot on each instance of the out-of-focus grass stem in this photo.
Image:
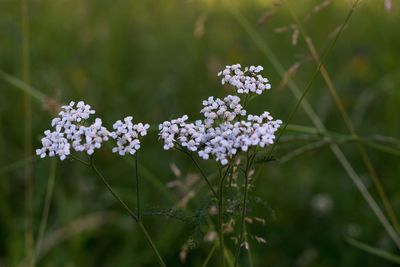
(46, 207)
(267, 51)
(349, 124)
(25, 66)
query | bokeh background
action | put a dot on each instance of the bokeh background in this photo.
(157, 60)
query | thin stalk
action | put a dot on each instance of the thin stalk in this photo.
(208, 258)
(130, 212)
(115, 195)
(201, 172)
(361, 149)
(17, 164)
(46, 207)
(153, 246)
(251, 262)
(80, 160)
(349, 124)
(25, 63)
(23, 86)
(231, 177)
(314, 76)
(324, 141)
(137, 187)
(244, 206)
(221, 215)
(267, 51)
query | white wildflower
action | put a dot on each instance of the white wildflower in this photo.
(69, 130)
(54, 144)
(87, 139)
(247, 81)
(72, 114)
(223, 133)
(227, 109)
(169, 130)
(128, 136)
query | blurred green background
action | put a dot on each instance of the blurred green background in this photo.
(158, 59)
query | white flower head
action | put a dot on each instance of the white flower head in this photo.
(128, 136)
(54, 144)
(168, 130)
(227, 109)
(72, 129)
(245, 81)
(72, 114)
(87, 139)
(224, 132)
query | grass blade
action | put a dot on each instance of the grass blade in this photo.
(374, 251)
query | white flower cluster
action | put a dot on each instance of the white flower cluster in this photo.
(128, 136)
(245, 81)
(54, 144)
(87, 139)
(227, 109)
(223, 133)
(70, 130)
(169, 129)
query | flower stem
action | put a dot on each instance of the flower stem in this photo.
(244, 205)
(80, 160)
(221, 216)
(153, 246)
(130, 212)
(137, 187)
(201, 172)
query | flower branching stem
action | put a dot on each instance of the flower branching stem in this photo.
(135, 217)
(78, 159)
(200, 170)
(137, 186)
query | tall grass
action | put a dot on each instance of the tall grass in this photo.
(25, 67)
(301, 101)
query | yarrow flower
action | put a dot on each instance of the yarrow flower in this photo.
(70, 130)
(222, 139)
(128, 136)
(225, 129)
(169, 129)
(87, 139)
(54, 144)
(227, 109)
(245, 81)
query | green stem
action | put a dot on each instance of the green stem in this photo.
(153, 246)
(137, 187)
(209, 255)
(220, 215)
(130, 212)
(201, 172)
(115, 195)
(313, 77)
(80, 160)
(251, 263)
(244, 205)
(46, 207)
